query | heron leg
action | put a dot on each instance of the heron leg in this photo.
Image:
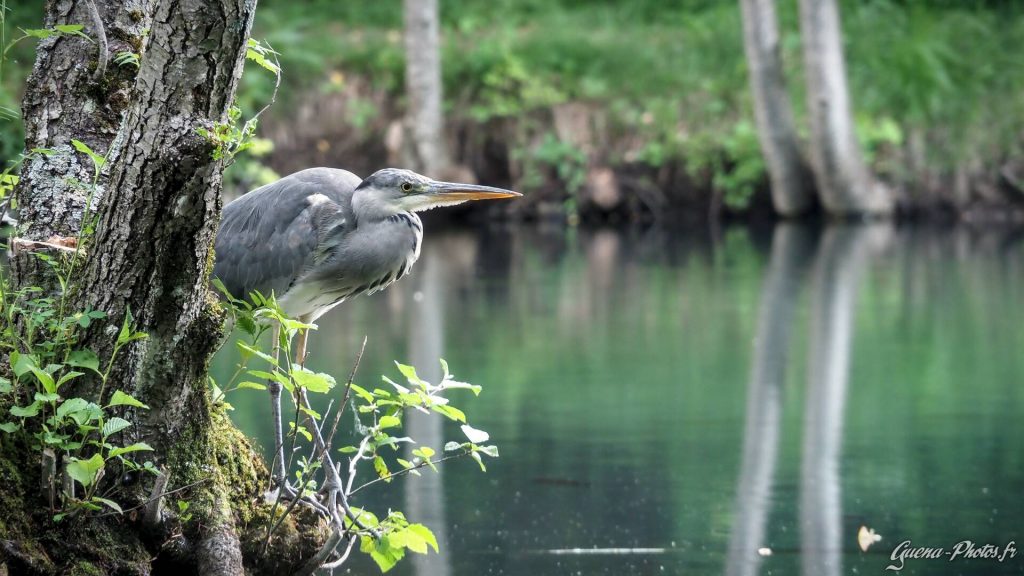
(275, 408)
(300, 347)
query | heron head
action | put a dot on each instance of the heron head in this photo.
(406, 190)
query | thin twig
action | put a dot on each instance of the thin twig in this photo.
(348, 550)
(155, 508)
(101, 41)
(348, 391)
(318, 559)
(168, 493)
(405, 471)
(321, 448)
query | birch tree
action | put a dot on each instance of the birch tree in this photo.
(423, 86)
(791, 180)
(845, 186)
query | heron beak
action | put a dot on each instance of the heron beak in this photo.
(445, 192)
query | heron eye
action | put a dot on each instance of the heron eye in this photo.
(406, 187)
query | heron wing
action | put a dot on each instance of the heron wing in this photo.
(271, 236)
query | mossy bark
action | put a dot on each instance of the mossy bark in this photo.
(152, 255)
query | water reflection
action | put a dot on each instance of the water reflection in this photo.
(836, 280)
(632, 411)
(791, 252)
(424, 495)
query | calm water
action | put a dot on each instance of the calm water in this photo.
(696, 401)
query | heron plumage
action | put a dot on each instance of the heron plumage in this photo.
(295, 238)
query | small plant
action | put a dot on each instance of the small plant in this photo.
(230, 139)
(44, 358)
(126, 58)
(320, 481)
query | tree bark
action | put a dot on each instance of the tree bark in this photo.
(69, 95)
(423, 86)
(791, 178)
(843, 181)
(65, 100)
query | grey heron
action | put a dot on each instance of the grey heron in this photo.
(322, 235)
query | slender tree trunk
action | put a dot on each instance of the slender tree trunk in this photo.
(843, 180)
(151, 254)
(423, 85)
(791, 179)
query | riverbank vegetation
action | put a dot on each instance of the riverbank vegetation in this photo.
(640, 106)
(632, 107)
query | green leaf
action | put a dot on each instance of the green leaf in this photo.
(27, 411)
(454, 384)
(99, 161)
(410, 374)
(109, 504)
(71, 405)
(362, 392)
(84, 359)
(301, 430)
(21, 364)
(250, 386)
(388, 422)
(10, 427)
(406, 538)
(45, 378)
(114, 425)
(385, 555)
(138, 446)
(5, 385)
(48, 397)
(313, 381)
(69, 28)
(475, 436)
(262, 61)
(121, 399)
(348, 449)
(248, 352)
(68, 377)
(424, 533)
(425, 452)
(451, 412)
(246, 323)
(491, 451)
(453, 446)
(38, 32)
(381, 467)
(479, 460)
(84, 471)
(257, 52)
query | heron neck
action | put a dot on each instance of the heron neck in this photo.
(370, 209)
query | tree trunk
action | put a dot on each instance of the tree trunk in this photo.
(791, 179)
(843, 180)
(153, 246)
(70, 95)
(423, 86)
(151, 255)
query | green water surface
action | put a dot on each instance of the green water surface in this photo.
(671, 403)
